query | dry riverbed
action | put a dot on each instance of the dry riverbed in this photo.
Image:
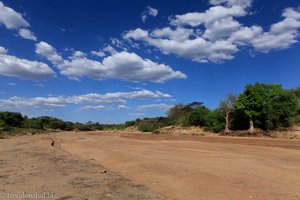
(144, 166)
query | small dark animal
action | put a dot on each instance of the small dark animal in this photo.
(52, 143)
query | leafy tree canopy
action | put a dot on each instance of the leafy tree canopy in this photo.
(268, 106)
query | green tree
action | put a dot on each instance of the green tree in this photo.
(4, 126)
(130, 123)
(280, 111)
(178, 111)
(267, 106)
(297, 92)
(215, 121)
(198, 116)
(12, 119)
(238, 120)
(35, 123)
(147, 127)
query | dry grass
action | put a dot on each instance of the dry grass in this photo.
(179, 130)
(291, 133)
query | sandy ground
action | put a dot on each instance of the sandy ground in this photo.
(31, 164)
(180, 167)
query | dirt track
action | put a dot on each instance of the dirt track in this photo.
(191, 167)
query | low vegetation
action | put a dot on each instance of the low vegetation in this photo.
(259, 106)
(13, 123)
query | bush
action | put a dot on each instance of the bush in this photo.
(69, 126)
(34, 123)
(130, 123)
(97, 126)
(147, 127)
(151, 124)
(197, 117)
(82, 127)
(215, 121)
(183, 121)
(12, 119)
(57, 124)
(297, 120)
(178, 111)
(4, 126)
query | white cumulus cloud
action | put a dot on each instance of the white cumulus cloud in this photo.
(99, 107)
(102, 107)
(242, 3)
(14, 21)
(160, 106)
(22, 68)
(211, 15)
(197, 49)
(281, 34)
(121, 65)
(3, 50)
(149, 12)
(215, 35)
(98, 53)
(11, 19)
(27, 34)
(116, 98)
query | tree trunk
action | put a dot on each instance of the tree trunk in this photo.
(251, 126)
(227, 123)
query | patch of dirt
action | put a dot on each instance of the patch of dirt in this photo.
(192, 167)
(30, 164)
(92, 165)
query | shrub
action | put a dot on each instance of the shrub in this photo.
(147, 127)
(197, 117)
(215, 121)
(82, 127)
(4, 126)
(69, 126)
(151, 124)
(130, 123)
(12, 119)
(34, 123)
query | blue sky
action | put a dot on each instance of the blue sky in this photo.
(112, 61)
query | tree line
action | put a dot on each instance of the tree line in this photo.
(263, 106)
(10, 121)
